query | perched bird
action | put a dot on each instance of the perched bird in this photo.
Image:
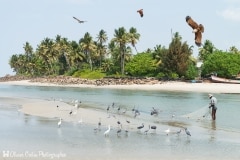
(154, 127)
(79, 21)
(178, 132)
(108, 109)
(60, 122)
(146, 131)
(126, 132)
(118, 109)
(136, 113)
(198, 29)
(140, 127)
(99, 124)
(119, 131)
(154, 111)
(167, 131)
(119, 123)
(106, 133)
(140, 11)
(124, 111)
(187, 132)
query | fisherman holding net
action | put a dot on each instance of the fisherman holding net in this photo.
(213, 105)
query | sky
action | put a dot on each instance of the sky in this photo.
(34, 20)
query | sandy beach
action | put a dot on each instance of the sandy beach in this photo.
(165, 86)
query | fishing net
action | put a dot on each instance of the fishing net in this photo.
(202, 113)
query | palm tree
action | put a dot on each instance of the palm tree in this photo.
(47, 52)
(101, 48)
(134, 37)
(61, 46)
(234, 50)
(28, 50)
(121, 38)
(88, 47)
(206, 49)
(158, 53)
(28, 57)
(76, 57)
(13, 63)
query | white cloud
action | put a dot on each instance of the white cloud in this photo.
(231, 14)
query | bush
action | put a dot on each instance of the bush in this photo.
(88, 74)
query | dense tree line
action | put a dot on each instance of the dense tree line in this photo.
(115, 57)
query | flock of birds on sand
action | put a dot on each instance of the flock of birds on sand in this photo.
(198, 29)
(119, 129)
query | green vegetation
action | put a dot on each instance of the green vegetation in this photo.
(88, 74)
(223, 63)
(95, 58)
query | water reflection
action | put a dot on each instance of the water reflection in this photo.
(213, 125)
(213, 131)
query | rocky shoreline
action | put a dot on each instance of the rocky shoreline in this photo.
(68, 80)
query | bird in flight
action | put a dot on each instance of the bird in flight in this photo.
(79, 21)
(140, 11)
(198, 29)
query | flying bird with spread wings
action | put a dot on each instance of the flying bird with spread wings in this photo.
(198, 29)
(140, 11)
(79, 21)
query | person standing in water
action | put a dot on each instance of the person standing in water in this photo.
(213, 105)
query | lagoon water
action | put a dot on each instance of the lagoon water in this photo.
(31, 137)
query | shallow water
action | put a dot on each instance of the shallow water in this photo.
(21, 133)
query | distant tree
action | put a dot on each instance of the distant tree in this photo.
(234, 50)
(207, 49)
(142, 64)
(101, 47)
(158, 53)
(133, 37)
(177, 58)
(121, 39)
(88, 47)
(223, 63)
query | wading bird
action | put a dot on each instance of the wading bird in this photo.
(106, 133)
(167, 131)
(140, 127)
(187, 132)
(60, 122)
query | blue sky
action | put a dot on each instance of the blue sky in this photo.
(32, 21)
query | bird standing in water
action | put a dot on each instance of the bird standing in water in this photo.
(60, 122)
(187, 132)
(106, 133)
